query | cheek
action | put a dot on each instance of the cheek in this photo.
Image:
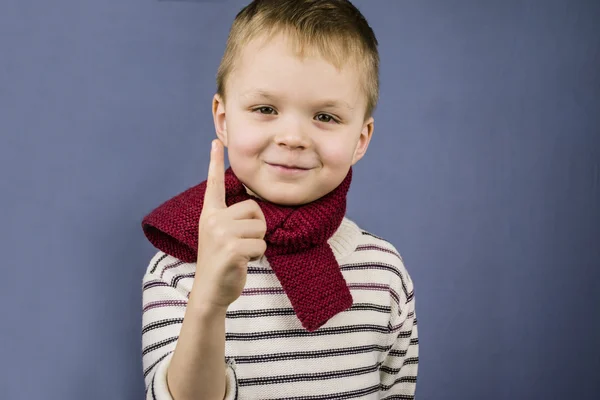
(337, 153)
(245, 140)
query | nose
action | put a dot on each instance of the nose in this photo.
(293, 137)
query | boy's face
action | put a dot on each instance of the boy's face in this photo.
(293, 127)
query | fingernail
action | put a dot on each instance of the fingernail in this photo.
(214, 144)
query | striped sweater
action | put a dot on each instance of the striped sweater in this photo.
(369, 351)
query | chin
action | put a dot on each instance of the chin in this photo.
(291, 193)
(285, 198)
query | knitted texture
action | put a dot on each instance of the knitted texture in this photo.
(296, 237)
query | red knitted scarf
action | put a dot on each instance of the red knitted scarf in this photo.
(296, 237)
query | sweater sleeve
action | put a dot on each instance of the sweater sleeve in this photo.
(164, 299)
(398, 372)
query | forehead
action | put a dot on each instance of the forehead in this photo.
(278, 65)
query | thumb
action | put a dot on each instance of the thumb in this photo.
(214, 197)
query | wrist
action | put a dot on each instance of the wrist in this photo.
(205, 309)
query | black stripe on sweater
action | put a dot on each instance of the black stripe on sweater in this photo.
(394, 371)
(317, 376)
(151, 284)
(288, 334)
(155, 363)
(397, 353)
(399, 397)
(371, 307)
(161, 324)
(402, 353)
(337, 396)
(365, 233)
(270, 312)
(158, 262)
(402, 379)
(153, 392)
(377, 247)
(252, 270)
(303, 355)
(375, 265)
(408, 361)
(304, 333)
(158, 345)
(177, 278)
(404, 334)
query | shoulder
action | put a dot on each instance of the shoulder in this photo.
(382, 253)
(165, 266)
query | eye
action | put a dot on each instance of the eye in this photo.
(265, 110)
(326, 118)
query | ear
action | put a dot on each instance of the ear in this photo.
(363, 141)
(218, 111)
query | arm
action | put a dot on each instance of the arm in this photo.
(183, 343)
(196, 370)
(398, 373)
(188, 344)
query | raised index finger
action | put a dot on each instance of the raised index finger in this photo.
(215, 184)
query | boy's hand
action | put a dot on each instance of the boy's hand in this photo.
(228, 237)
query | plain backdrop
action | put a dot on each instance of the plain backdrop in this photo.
(483, 171)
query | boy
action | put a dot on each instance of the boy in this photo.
(269, 291)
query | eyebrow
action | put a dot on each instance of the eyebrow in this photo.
(272, 97)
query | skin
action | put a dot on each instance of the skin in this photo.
(282, 110)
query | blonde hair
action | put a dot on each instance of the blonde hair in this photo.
(334, 29)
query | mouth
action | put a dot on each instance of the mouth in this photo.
(288, 167)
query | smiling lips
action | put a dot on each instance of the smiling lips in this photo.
(289, 168)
